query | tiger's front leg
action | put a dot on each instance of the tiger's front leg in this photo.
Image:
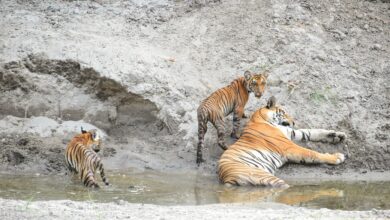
(318, 135)
(220, 126)
(237, 115)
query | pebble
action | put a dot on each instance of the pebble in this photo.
(376, 47)
(120, 202)
(360, 16)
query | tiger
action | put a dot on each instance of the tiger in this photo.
(267, 143)
(81, 157)
(224, 101)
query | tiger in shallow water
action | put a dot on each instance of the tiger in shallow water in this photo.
(224, 101)
(266, 144)
(81, 157)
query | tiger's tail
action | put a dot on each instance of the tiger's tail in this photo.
(101, 170)
(235, 173)
(202, 129)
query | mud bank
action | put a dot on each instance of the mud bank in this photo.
(14, 209)
(140, 78)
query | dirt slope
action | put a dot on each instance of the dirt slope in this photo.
(138, 70)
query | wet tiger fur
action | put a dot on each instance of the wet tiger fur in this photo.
(224, 101)
(266, 144)
(81, 157)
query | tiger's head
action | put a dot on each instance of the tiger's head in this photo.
(276, 115)
(255, 82)
(92, 139)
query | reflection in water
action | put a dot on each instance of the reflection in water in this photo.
(196, 189)
(291, 196)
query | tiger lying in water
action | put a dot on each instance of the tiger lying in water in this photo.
(266, 144)
(81, 157)
(224, 101)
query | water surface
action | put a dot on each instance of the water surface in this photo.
(195, 189)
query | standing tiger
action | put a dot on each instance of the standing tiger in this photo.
(81, 157)
(266, 144)
(224, 101)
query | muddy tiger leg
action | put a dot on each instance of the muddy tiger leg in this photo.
(102, 174)
(202, 129)
(237, 115)
(220, 126)
(300, 154)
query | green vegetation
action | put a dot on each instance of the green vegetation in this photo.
(324, 95)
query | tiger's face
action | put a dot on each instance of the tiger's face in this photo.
(92, 139)
(275, 114)
(256, 83)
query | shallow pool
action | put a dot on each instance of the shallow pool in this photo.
(196, 189)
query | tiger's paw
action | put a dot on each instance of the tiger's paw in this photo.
(339, 158)
(199, 160)
(95, 186)
(281, 185)
(234, 135)
(222, 145)
(336, 137)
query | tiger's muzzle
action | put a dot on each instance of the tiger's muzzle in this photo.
(288, 123)
(96, 147)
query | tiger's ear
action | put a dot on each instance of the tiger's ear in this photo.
(83, 131)
(271, 102)
(248, 75)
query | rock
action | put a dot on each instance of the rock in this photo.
(376, 47)
(23, 141)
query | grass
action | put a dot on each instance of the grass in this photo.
(324, 95)
(28, 202)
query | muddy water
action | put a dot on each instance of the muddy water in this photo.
(196, 189)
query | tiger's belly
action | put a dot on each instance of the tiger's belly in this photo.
(262, 159)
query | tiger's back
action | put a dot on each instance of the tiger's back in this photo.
(222, 102)
(81, 158)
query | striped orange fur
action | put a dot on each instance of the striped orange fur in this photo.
(224, 101)
(266, 144)
(81, 157)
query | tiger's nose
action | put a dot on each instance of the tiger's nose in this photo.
(96, 147)
(285, 123)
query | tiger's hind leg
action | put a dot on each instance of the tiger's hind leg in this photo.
(233, 173)
(220, 126)
(202, 129)
(299, 154)
(89, 179)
